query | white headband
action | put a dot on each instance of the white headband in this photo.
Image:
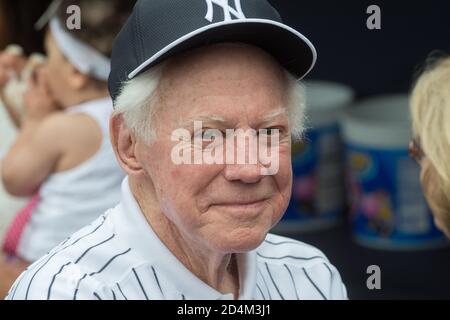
(86, 59)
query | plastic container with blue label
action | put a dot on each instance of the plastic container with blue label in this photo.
(388, 209)
(318, 198)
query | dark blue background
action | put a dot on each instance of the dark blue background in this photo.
(371, 61)
(375, 62)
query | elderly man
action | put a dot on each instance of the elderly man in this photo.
(197, 228)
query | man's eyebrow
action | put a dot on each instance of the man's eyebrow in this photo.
(205, 118)
(274, 114)
(218, 119)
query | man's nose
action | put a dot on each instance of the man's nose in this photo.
(246, 173)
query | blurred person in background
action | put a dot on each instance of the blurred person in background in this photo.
(430, 112)
(62, 156)
(17, 19)
(18, 32)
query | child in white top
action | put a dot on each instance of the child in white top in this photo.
(62, 151)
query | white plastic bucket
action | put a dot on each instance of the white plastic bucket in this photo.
(388, 208)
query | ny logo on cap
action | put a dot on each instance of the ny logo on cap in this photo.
(227, 10)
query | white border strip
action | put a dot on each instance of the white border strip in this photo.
(224, 23)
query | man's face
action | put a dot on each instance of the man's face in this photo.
(225, 207)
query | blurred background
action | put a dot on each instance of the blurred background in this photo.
(17, 19)
(356, 193)
(360, 200)
(370, 61)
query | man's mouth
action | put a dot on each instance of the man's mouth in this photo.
(242, 205)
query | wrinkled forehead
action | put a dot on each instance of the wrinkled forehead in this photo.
(227, 80)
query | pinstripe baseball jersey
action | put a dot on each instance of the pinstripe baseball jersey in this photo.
(120, 257)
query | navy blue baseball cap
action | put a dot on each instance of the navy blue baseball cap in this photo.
(159, 29)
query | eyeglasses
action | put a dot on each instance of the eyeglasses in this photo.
(415, 150)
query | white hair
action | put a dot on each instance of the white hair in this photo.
(138, 103)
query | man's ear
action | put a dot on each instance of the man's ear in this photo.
(124, 144)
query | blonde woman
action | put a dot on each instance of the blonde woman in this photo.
(430, 111)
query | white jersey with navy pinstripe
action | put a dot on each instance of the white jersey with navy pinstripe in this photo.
(120, 257)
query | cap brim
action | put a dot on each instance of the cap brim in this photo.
(292, 50)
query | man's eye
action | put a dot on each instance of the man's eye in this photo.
(270, 131)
